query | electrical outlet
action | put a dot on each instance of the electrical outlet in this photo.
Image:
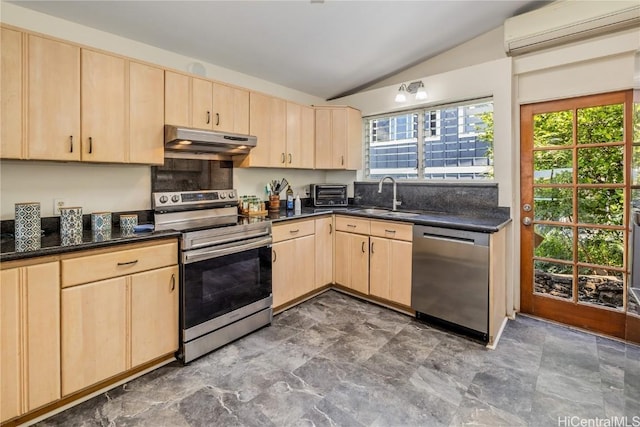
(57, 204)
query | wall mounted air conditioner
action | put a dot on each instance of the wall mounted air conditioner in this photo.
(564, 21)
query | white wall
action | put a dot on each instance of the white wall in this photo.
(114, 187)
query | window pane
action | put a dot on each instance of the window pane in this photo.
(392, 147)
(553, 279)
(601, 124)
(553, 167)
(458, 142)
(601, 247)
(602, 165)
(553, 204)
(550, 129)
(601, 287)
(601, 206)
(553, 242)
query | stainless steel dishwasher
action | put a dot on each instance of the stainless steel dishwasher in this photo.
(450, 279)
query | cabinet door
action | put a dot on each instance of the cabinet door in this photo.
(307, 137)
(146, 114)
(94, 333)
(240, 111)
(324, 251)
(259, 116)
(352, 261)
(323, 139)
(278, 132)
(338, 138)
(154, 314)
(231, 109)
(202, 103)
(380, 267)
(294, 143)
(104, 106)
(11, 94)
(303, 266)
(177, 99)
(283, 254)
(53, 100)
(400, 272)
(354, 139)
(10, 348)
(43, 334)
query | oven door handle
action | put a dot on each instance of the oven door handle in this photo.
(189, 257)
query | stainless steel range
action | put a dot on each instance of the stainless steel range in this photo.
(225, 268)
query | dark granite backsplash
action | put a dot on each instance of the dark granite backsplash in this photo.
(434, 197)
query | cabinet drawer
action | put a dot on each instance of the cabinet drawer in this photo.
(352, 225)
(292, 230)
(392, 230)
(101, 266)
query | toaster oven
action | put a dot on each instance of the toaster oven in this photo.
(328, 195)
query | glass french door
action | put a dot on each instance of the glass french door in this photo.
(575, 180)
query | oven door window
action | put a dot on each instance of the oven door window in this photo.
(217, 286)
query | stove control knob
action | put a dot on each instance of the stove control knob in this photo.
(231, 195)
(175, 198)
(163, 199)
(223, 196)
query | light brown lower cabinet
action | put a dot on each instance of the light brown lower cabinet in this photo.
(30, 338)
(352, 261)
(325, 231)
(293, 260)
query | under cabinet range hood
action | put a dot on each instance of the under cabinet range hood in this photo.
(191, 142)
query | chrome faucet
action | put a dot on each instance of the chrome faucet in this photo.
(396, 202)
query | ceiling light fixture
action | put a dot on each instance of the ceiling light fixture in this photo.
(414, 87)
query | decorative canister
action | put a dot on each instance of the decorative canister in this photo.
(101, 235)
(71, 221)
(101, 222)
(70, 239)
(25, 244)
(27, 220)
(128, 223)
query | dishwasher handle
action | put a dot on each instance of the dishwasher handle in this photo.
(462, 240)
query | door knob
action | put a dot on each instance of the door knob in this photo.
(526, 220)
(526, 207)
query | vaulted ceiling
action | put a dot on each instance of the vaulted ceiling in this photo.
(323, 48)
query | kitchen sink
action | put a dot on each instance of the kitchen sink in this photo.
(402, 214)
(374, 211)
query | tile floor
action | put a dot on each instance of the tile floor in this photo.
(338, 361)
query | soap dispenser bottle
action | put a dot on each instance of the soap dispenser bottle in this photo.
(298, 205)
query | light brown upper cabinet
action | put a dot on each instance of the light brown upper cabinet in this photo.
(300, 136)
(146, 114)
(80, 104)
(204, 104)
(104, 107)
(11, 140)
(268, 122)
(230, 109)
(338, 138)
(53, 100)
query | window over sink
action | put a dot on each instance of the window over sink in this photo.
(446, 142)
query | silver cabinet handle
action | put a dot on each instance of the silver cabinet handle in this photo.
(90, 145)
(173, 282)
(390, 231)
(290, 158)
(71, 143)
(330, 228)
(342, 160)
(122, 264)
(217, 119)
(208, 117)
(363, 246)
(351, 225)
(283, 158)
(371, 247)
(275, 256)
(294, 231)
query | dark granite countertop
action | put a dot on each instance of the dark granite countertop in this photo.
(52, 243)
(489, 222)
